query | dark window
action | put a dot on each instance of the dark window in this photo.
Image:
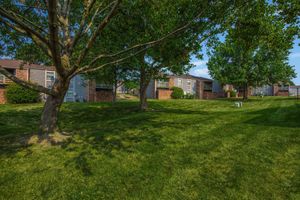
(283, 88)
(100, 86)
(12, 71)
(208, 87)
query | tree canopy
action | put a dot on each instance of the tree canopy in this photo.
(255, 51)
(84, 36)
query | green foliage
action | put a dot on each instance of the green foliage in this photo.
(189, 96)
(232, 93)
(177, 93)
(289, 10)
(18, 94)
(255, 51)
(130, 85)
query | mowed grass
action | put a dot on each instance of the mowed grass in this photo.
(179, 149)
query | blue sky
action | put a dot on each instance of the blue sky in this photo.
(294, 60)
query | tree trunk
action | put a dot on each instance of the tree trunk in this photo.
(245, 95)
(143, 89)
(48, 123)
(114, 91)
(143, 99)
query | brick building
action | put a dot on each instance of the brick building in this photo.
(80, 89)
(202, 88)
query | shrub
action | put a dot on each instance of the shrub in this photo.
(177, 93)
(18, 94)
(189, 96)
(232, 93)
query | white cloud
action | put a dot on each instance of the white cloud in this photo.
(199, 62)
(203, 71)
(200, 69)
(295, 55)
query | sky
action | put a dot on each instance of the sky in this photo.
(294, 60)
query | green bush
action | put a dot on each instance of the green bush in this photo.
(232, 93)
(189, 96)
(177, 93)
(18, 94)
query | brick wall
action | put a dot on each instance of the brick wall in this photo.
(101, 95)
(91, 91)
(164, 93)
(212, 95)
(241, 93)
(283, 93)
(104, 96)
(2, 96)
(277, 92)
(22, 74)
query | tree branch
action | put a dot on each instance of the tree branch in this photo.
(14, 18)
(147, 44)
(36, 40)
(82, 23)
(97, 12)
(101, 26)
(26, 84)
(54, 38)
(89, 68)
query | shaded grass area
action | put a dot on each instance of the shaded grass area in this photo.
(181, 149)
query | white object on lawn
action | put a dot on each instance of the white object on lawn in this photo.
(238, 104)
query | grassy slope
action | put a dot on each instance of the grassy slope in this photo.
(185, 149)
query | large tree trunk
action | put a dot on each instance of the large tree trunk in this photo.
(143, 89)
(48, 123)
(143, 99)
(245, 95)
(114, 93)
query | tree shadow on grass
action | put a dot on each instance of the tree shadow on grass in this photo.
(119, 129)
(99, 128)
(277, 117)
(16, 127)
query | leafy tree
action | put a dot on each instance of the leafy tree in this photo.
(255, 51)
(171, 55)
(68, 35)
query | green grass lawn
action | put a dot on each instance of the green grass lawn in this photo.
(180, 149)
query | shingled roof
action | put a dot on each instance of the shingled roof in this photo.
(15, 64)
(188, 76)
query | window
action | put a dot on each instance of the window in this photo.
(189, 86)
(12, 71)
(179, 82)
(1, 78)
(6, 80)
(163, 84)
(103, 86)
(208, 87)
(50, 78)
(283, 88)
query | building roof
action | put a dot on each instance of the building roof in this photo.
(15, 64)
(295, 86)
(188, 76)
